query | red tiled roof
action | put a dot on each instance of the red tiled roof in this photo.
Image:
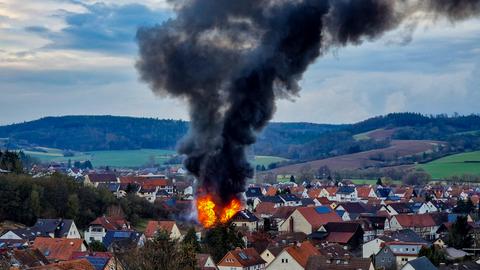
(154, 226)
(57, 248)
(267, 208)
(313, 193)
(244, 257)
(339, 237)
(407, 221)
(111, 223)
(82, 264)
(364, 192)
(316, 219)
(102, 177)
(271, 191)
(302, 252)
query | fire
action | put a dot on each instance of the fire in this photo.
(210, 213)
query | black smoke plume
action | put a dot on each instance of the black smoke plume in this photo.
(230, 59)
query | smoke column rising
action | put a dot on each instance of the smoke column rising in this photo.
(231, 59)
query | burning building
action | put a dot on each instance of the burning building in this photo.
(230, 60)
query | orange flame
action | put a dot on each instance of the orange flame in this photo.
(210, 213)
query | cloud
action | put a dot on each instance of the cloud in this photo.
(106, 28)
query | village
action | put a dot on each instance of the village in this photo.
(322, 224)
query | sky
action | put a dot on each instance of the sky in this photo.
(76, 57)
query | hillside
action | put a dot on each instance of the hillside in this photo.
(396, 151)
(369, 143)
(94, 133)
(464, 163)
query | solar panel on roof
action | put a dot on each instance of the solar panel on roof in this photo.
(121, 234)
(243, 256)
(322, 210)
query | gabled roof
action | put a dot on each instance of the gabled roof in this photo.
(111, 223)
(408, 221)
(318, 216)
(154, 226)
(122, 239)
(301, 252)
(422, 263)
(407, 235)
(364, 192)
(253, 192)
(289, 198)
(245, 257)
(30, 257)
(322, 262)
(356, 207)
(345, 190)
(273, 199)
(112, 187)
(98, 259)
(81, 264)
(244, 216)
(57, 248)
(58, 227)
(401, 208)
(265, 208)
(102, 177)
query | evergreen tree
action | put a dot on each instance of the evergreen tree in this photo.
(221, 239)
(191, 239)
(459, 236)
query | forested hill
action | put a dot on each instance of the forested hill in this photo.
(88, 133)
(297, 141)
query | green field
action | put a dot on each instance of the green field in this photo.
(459, 164)
(371, 182)
(115, 158)
(267, 160)
(122, 158)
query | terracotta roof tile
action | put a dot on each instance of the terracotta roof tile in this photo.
(57, 248)
(302, 252)
(154, 226)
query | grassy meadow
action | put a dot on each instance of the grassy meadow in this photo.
(459, 164)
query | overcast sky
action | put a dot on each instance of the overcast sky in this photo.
(66, 57)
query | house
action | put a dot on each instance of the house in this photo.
(309, 219)
(346, 194)
(424, 225)
(374, 246)
(112, 187)
(168, 226)
(245, 219)
(123, 240)
(349, 234)
(423, 208)
(82, 264)
(99, 260)
(205, 262)
(384, 193)
(98, 228)
(26, 258)
(253, 192)
(148, 192)
(396, 208)
(421, 263)
(365, 192)
(402, 253)
(376, 226)
(58, 249)
(290, 200)
(276, 200)
(94, 179)
(327, 262)
(241, 259)
(54, 228)
(269, 254)
(355, 209)
(294, 257)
